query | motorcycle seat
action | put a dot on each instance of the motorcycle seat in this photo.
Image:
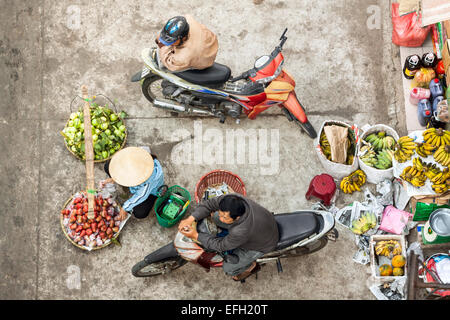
(296, 226)
(217, 74)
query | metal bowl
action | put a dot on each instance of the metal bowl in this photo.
(440, 222)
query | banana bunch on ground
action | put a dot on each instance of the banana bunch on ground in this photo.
(431, 170)
(353, 182)
(441, 182)
(425, 149)
(325, 145)
(384, 159)
(350, 159)
(442, 155)
(414, 176)
(436, 137)
(388, 248)
(404, 149)
(364, 224)
(368, 155)
(379, 140)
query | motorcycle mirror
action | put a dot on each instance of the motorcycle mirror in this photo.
(282, 36)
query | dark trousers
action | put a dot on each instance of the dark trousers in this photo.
(143, 209)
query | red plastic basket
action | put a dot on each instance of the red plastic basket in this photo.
(219, 177)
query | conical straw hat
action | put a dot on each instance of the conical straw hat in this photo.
(131, 166)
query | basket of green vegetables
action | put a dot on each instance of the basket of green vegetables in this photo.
(109, 133)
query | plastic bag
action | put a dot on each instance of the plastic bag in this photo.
(394, 220)
(442, 112)
(423, 77)
(407, 30)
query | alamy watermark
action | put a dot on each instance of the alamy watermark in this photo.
(258, 147)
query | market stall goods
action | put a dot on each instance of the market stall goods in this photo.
(380, 141)
(424, 149)
(414, 176)
(388, 248)
(326, 148)
(404, 149)
(441, 182)
(353, 182)
(364, 223)
(436, 137)
(442, 155)
(108, 132)
(89, 234)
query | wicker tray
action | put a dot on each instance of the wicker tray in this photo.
(61, 219)
(97, 161)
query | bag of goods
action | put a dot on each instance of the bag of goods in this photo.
(394, 220)
(336, 147)
(407, 29)
(422, 78)
(108, 132)
(89, 234)
(376, 152)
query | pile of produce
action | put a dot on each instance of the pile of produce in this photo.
(391, 249)
(326, 148)
(353, 182)
(91, 233)
(365, 223)
(108, 132)
(378, 150)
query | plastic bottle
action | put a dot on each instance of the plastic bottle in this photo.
(436, 88)
(412, 64)
(436, 101)
(424, 112)
(429, 60)
(418, 94)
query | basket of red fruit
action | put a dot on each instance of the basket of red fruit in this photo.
(91, 234)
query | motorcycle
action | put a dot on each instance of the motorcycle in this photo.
(213, 92)
(302, 232)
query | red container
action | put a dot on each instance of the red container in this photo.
(219, 177)
(322, 187)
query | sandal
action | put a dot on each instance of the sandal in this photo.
(247, 273)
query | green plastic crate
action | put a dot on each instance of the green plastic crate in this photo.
(164, 220)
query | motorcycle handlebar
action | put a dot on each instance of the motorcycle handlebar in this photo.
(242, 76)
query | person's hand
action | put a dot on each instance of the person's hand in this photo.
(190, 232)
(123, 214)
(186, 223)
(103, 183)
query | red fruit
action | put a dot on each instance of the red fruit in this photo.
(78, 206)
(86, 225)
(110, 235)
(84, 218)
(72, 219)
(89, 232)
(73, 226)
(109, 230)
(108, 217)
(78, 229)
(79, 219)
(98, 218)
(85, 209)
(83, 233)
(79, 212)
(105, 203)
(102, 235)
(103, 228)
(115, 229)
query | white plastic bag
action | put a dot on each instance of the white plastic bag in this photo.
(338, 170)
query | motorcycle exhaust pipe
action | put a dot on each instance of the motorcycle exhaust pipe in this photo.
(179, 108)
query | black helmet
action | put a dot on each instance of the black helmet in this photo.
(175, 29)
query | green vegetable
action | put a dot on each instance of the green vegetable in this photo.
(113, 117)
(105, 154)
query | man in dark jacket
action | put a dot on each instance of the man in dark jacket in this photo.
(252, 231)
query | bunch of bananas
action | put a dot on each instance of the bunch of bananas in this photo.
(442, 155)
(379, 140)
(368, 155)
(325, 145)
(436, 137)
(425, 149)
(430, 170)
(365, 223)
(384, 159)
(388, 248)
(414, 176)
(441, 182)
(353, 182)
(350, 159)
(404, 149)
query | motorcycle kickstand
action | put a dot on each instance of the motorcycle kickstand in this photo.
(279, 266)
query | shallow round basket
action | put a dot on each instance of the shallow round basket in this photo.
(102, 160)
(218, 177)
(61, 219)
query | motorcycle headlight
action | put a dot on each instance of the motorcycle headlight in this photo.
(275, 75)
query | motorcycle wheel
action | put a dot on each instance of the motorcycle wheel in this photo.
(152, 88)
(156, 268)
(307, 127)
(317, 245)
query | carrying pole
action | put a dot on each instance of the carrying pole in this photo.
(89, 153)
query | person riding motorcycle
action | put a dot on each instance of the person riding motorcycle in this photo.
(185, 44)
(252, 231)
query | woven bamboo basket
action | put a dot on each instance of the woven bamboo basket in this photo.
(61, 219)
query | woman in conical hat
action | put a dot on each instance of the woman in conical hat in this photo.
(140, 171)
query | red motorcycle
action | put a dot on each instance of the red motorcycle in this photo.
(213, 92)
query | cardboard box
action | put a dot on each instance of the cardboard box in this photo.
(446, 54)
(375, 267)
(447, 28)
(440, 199)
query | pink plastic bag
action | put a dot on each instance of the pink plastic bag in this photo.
(394, 220)
(407, 30)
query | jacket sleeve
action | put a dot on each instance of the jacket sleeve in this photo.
(205, 208)
(233, 240)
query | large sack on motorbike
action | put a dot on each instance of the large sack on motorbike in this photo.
(323, 149)
(373, 174)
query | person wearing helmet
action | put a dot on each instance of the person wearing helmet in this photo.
(185, 44)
